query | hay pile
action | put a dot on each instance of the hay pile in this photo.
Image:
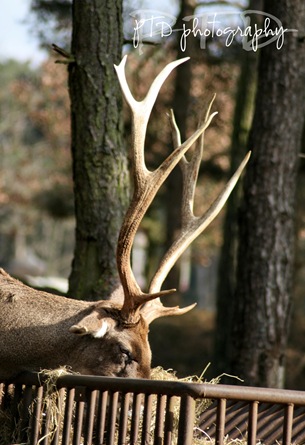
(53, 404)
(201, 404)
(52, 407)
(200, 436)
(11, 421)
(6, 416)
(5, 427)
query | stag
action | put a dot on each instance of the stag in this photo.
(39, 330)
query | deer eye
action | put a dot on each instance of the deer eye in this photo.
(127, 355)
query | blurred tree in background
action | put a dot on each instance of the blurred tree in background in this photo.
(242, 119)
(53, 21)
(266, 260)
(38, 150)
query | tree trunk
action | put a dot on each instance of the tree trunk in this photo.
(226, 283)
(99, 159)
(267, 233)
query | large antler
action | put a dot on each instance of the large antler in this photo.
(191, 225)
(146, 185)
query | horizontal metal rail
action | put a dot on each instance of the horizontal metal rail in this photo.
(115, 411)
(173, 388)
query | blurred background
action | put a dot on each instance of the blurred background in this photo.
(37, 222)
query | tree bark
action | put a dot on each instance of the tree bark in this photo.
(227, 262)
(267, 233)
(226, 283)
(100, 170)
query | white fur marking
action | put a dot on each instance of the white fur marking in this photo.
(102, 331)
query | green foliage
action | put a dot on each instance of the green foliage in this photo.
(53, 21)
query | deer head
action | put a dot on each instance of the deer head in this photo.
(110, 337)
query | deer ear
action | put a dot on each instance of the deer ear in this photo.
(92, 325)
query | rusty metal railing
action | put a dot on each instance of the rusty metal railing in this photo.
(115, 411)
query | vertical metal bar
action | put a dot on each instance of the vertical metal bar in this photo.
(125, 401)
(78, 422)
(169, 420)
(135, 420)
(35, 427)
(11, 397)
(252, 423)
(101, 417)
(25, 413)
(1, 393)
(13, 404)
(220, 422)
(146, 427)
(112, 413)
(186, 420)
(158, 432)
(68, 416)
(49, 417)
(59, 417)
(46, 421)
(89, 421)
(288, 423)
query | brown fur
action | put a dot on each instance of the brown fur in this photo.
(35, 333)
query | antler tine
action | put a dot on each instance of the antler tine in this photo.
(192, 226)
(141, 110)
(190, 169)
(146, 184)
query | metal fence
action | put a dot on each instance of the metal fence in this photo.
(114, 411)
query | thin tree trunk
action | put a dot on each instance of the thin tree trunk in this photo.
(99, 160)
(267, 233)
